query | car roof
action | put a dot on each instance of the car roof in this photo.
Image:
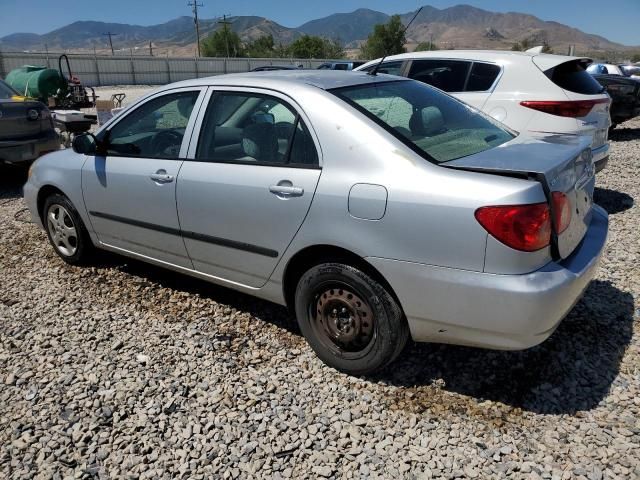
(283, 79)
(496, 56)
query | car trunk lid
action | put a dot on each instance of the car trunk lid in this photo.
(561, 163)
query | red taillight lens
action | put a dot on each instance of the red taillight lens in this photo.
(522, 227)
(561, 210)
(565, 108)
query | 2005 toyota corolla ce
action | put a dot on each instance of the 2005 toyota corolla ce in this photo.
(377, 208)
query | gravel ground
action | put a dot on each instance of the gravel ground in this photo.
(123, 370)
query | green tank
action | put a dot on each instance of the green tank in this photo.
(36, 82)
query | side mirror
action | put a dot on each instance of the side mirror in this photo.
(85, 144)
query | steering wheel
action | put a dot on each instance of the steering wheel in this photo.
(163, 140)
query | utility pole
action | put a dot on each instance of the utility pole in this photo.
(195, 6)
(225, 23)
(150, 49)
(109, 34)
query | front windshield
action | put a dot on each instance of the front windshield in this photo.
(434, 124)
(6, 91)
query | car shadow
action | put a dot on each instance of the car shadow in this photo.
(261, 309)
(622, 134)
(572, 371)
(612, 200)
(11, 181)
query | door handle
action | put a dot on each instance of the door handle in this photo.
(287, 190)
(161, 176)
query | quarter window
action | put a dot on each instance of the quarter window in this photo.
(246, 127)
(155, 129)
(447, 75)
(482, 78)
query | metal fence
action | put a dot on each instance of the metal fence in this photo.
(101, 70)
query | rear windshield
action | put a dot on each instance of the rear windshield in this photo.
(432, 123)
(6, 91)
(573, 76)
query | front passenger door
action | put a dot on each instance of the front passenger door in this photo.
(130, 192)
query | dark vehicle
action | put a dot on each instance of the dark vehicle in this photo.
(625, 95)
(271, 68)
(340, 65)
(26, 128)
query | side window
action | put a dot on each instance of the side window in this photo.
(390, 68)
(447, 75)
(482, 77)
(342, 66)
(247, 127)
(155, 129)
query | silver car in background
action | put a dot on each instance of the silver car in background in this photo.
(377, 208)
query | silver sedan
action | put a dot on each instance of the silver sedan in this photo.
(377, 208)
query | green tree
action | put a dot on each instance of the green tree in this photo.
(222, 43)
(309, 46)
(635, 58)
(426, 47)
(263, 47)
(386, 39)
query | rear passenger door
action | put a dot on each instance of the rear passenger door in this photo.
(247, 185)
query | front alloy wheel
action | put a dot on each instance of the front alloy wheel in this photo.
(63, 231)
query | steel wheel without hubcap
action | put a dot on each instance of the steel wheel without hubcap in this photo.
(342, 320)
(64, 234)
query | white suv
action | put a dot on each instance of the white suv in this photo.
(529, 92)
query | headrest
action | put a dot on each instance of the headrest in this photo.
(259, 141)
(427, 121)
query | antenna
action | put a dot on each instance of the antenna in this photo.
(374, 72)
(195, 6)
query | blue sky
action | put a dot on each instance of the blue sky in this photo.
(618, 20)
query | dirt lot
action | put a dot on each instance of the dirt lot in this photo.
(122, 370)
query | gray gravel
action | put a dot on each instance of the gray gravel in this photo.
(123, 370)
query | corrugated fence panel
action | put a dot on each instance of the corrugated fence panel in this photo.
(115, 71)
(144, 70)
(151, 71)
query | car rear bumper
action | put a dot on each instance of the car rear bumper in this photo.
(601, 156)
(17, 152)
(507, 312)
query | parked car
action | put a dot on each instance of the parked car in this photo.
(631, 71)
(605, 69)
(625, 95)
(270, 68)
(340, 65)
(526, 91)
(376, 208)
(26, 128)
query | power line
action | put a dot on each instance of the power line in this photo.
(109, 34)
(195, 6)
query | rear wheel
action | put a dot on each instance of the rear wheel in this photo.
(65, 230)
(349, 319)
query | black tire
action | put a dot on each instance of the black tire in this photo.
(60, 238)
(372, 331)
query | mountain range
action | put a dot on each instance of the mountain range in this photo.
(461, 26)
